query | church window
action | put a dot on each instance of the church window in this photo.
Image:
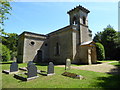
(32, 43)
(74, 21)
(46, 44)
(57, 49)
(84, 20)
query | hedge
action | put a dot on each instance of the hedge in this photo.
(100, 51)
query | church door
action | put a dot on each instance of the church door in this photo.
(39, 55)
(89, 56)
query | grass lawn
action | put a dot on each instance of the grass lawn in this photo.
(92, 79)
(103, 61)
(115, 63)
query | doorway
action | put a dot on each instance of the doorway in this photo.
(39, 56)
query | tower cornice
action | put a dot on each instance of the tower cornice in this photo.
(80, 8)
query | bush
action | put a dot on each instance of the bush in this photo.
(13, 55)
(4, 52)
(100, 51)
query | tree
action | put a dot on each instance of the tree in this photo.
(109, 39)
(5, 53)
(10, 40)
(118, 47)
(100, 51)
(97, 37)
(4, 10)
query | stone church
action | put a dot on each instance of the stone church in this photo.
(73, 41)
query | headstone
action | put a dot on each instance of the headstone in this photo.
(50, 68)
(32, 70)
(29, 63)
(14, 67)
(68, 64)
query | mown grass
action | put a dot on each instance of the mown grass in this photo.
(103, 61)
(92, 79)
(115, 63)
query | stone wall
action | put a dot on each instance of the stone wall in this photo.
(65, 46)
(29, 44)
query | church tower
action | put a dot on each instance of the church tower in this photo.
(79, 18)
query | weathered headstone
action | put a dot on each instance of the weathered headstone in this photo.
(32, 70)
(50, 68)
(31, 74)
(14, 67)
(29, 63)
(68, 64)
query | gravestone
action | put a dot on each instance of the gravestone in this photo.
(32, 71)
(68, 64)
(29, 63)
(25, 68)
(31, 74)
(50, 68)
(14, 67)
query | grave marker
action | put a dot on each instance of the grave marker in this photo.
(29, 63)
(32, 70)
(14, 67)
(50, 70)
(68, 64)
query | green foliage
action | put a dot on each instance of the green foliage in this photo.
(4, 10)
(5, 53)
(10, 40)
(97, 37)
(100, 51)
(109, 39)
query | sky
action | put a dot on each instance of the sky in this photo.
(45, 17)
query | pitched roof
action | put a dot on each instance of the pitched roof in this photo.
(79, 7)
(86, 43)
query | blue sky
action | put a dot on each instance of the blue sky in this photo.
(45, 17)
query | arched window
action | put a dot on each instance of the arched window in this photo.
(74, 20)
(57, 49)
(84, 20)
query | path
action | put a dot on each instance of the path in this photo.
(104, 67)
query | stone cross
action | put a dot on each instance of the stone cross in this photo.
(50, 69)
(29, 63)
(68, 64)
(32, 71)
(13, 67)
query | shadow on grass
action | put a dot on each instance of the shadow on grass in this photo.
(41, 64)
(5, 62)
(113, 79)
(46, 64)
